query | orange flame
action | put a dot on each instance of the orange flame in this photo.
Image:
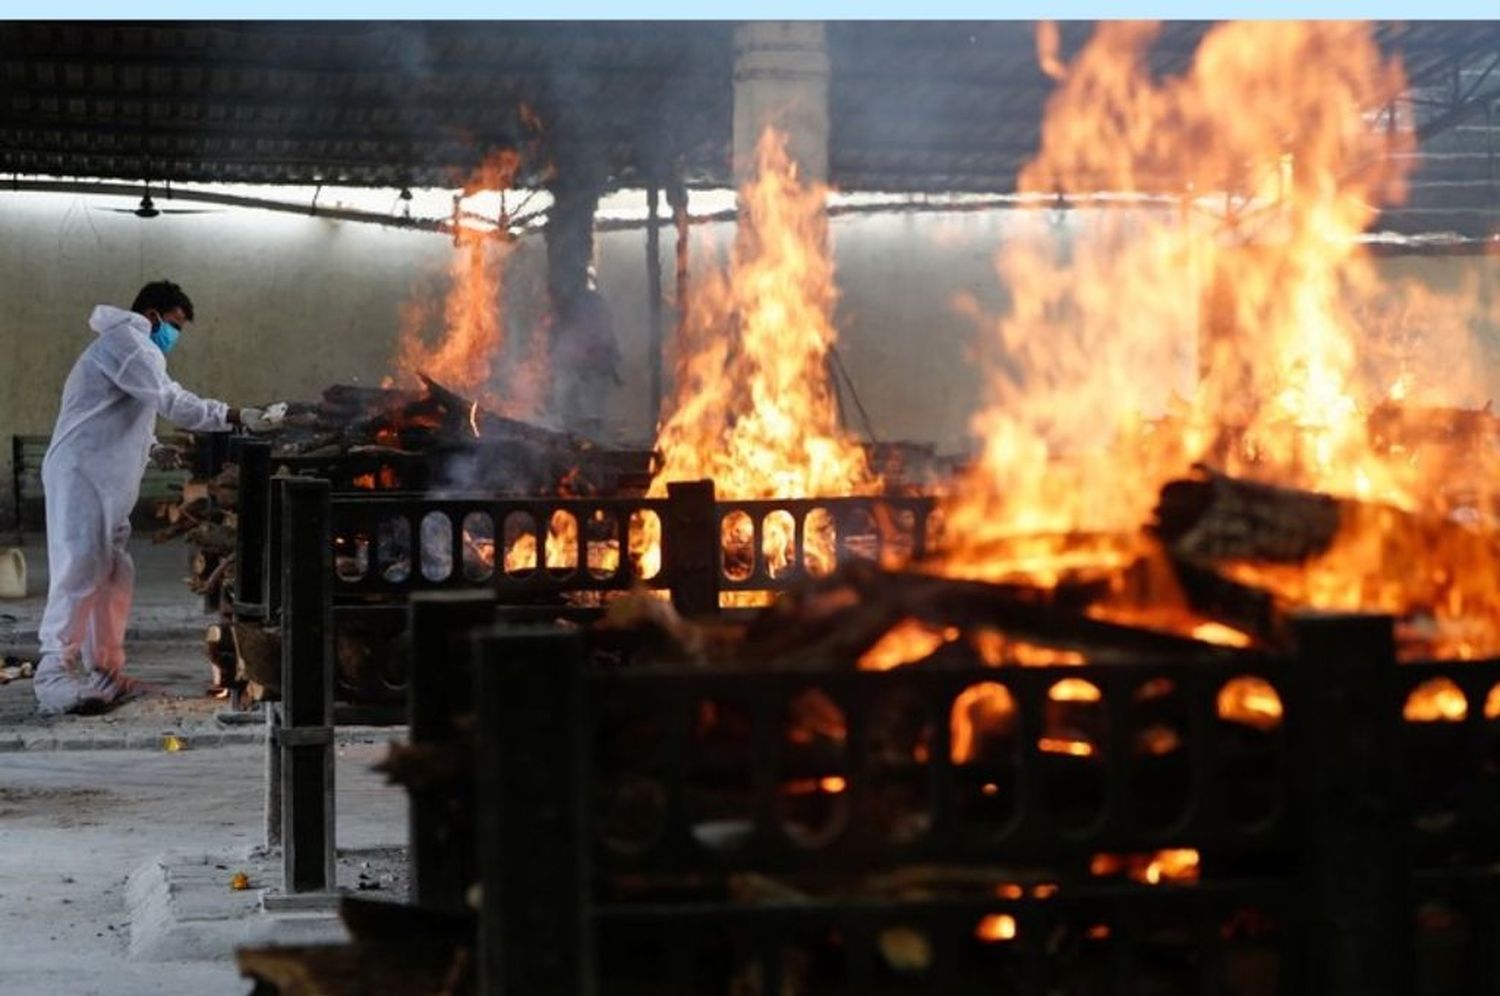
(468, 352)
(754, 408)
(1213, 307)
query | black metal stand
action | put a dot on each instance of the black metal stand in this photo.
(250, 561)
(442, 851)
(690, 548)
(534, 856)
(305, 736)
(1343, 719)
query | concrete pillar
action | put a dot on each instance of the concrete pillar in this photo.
(781, 72)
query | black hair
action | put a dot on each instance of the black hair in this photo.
(162, 296)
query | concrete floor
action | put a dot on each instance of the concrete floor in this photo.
(74, 822)
(164, 644)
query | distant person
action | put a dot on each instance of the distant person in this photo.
(92, 476)
(585, 363)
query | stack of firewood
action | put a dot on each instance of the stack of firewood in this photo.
(204, 515)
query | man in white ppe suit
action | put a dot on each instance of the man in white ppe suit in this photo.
(92, 477)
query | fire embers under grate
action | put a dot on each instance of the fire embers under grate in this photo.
(396, 544)
(1050, 767)
(1168, 823)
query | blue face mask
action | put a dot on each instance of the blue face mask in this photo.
(165, 336)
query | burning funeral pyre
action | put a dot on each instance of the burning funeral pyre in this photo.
(384, 440)
(1164, 476)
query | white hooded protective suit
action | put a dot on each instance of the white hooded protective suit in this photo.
(91, 477)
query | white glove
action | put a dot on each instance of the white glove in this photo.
(263, 420)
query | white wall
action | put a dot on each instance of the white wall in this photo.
(285, 304)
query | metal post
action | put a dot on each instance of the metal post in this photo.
(273, 551)
(210, 453)
(534, 937)
(653, 290)
(273, 774)
(250, 544)
(690, 547)
(677, 200)
(306, 733)
(1342, 721)
(442, 853)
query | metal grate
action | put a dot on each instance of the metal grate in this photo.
(1323, 870)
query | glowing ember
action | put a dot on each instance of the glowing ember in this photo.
(983, 710)
(1176, 865)
(1060, 745)
(1073, 690)
(910, 640)
(1217, 633)
(1251, 701)
(996, 927)
(754, 408)
(829, 785)
(996, 649)
(913, 640)
(1436, 701)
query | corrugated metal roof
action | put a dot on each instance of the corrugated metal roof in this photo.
(916, 106)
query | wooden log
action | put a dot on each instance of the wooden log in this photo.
(259, 655)
(1279, 540)
(370, 398)
(1236, 604)
(1217, 517)
(212, 537)
(209, 584)
(305, 443)
(169, 533)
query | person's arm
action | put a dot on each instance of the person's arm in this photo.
(138, 377)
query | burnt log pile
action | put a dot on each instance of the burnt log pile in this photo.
(1250, 554)
(389, 439)
(378, 440)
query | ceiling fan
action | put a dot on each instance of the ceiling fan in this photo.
(147, 207)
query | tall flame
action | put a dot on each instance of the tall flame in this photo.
(754, 408)
(467, 354)
(1215, 306)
